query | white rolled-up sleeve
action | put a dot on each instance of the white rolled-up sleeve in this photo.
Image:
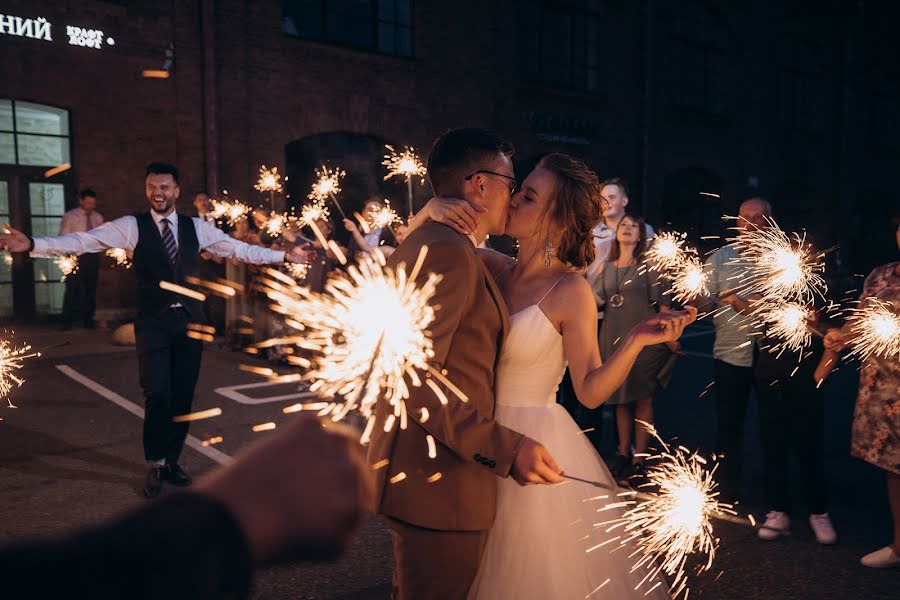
(119, 233)
(216, 242)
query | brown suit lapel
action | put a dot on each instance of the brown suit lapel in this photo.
(501, 304)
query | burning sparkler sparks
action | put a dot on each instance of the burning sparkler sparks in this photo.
(675, 522)
(689, 279)
(298, 270)
(778, 267)
(120, 256)
(875, 329)
(384, 216)
(789, 322)
(269, 180)
(11, 360)
(229, 211)
(404, 164)
(666, 251)
(67, 264)
(360, 358)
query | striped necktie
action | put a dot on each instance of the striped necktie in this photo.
(169, 242)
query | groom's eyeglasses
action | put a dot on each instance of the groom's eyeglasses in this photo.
(513, 185)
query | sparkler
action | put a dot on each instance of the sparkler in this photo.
(369, 329)
(384, 216)
(777, 266)
(269, 181)
(67, 264)
(789, 322)
(404, 164)
(11, 360)
(675, 522)
(231, 212)
(689, 279)
(298, 270)
(875, 329)
(120, 256)
(667, 251)
(328, 185)
(316, 211)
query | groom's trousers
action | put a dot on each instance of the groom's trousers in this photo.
(434, 564)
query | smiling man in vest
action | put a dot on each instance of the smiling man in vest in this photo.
(166, 247)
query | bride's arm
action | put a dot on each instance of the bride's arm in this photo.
(459, 214)
(594, 380)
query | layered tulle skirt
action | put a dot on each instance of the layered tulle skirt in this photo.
(545, 543)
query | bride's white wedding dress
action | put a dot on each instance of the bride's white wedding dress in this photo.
(538, 546)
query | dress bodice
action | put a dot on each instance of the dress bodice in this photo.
(532, 361)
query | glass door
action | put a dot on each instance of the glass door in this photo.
(6, 259)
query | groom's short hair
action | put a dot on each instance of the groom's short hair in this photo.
(458, 153)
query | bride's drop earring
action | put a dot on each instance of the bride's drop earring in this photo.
(548, 252)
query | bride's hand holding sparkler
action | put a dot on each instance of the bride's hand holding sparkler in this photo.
(461, 215)
(662, 328)
(13, 240)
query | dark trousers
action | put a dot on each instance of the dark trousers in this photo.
(791, 417)
(81, 291)
(169, 364)
(733, 386)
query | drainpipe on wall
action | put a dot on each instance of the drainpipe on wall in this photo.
(648, 207)
(210, 97)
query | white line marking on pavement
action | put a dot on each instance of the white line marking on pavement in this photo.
(232, 393)
(211, 453)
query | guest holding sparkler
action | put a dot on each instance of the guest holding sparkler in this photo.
(876, 419)
(732, 350)
(166, 249)
(629, 291)
(791, 417)
(81, 286)
(361, 242)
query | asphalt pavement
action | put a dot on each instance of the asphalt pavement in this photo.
(70, 455)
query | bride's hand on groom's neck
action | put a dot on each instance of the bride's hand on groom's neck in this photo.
(461, 215)
(534, 465)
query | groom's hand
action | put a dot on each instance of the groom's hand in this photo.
(533, 464)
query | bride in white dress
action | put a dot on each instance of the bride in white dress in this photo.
(544, 543)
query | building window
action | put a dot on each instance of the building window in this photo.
(560, 43)
(33, 134)
(383, 26)
(6, 259)
(47, 204)
(696, 57)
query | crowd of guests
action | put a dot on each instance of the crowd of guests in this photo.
(788, 386)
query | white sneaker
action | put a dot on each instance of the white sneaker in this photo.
(822, 527)
(881, 559)
(777, 524)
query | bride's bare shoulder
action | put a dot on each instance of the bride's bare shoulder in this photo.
(495, 261)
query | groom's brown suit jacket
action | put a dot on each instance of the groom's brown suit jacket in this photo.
(472, 450)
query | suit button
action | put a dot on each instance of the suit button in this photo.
(492, 464)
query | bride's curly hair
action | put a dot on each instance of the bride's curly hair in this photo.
(575, 208)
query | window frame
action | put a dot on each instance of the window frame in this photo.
(16, 133)
(375, 24)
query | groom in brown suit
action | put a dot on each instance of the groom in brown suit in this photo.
(440, 512)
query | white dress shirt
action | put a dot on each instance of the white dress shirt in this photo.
(79, 220)
(123, 233)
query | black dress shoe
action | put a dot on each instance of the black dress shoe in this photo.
(153, 484)
(175, 475)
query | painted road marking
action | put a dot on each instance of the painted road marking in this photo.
(233, 393)
(211, 453)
